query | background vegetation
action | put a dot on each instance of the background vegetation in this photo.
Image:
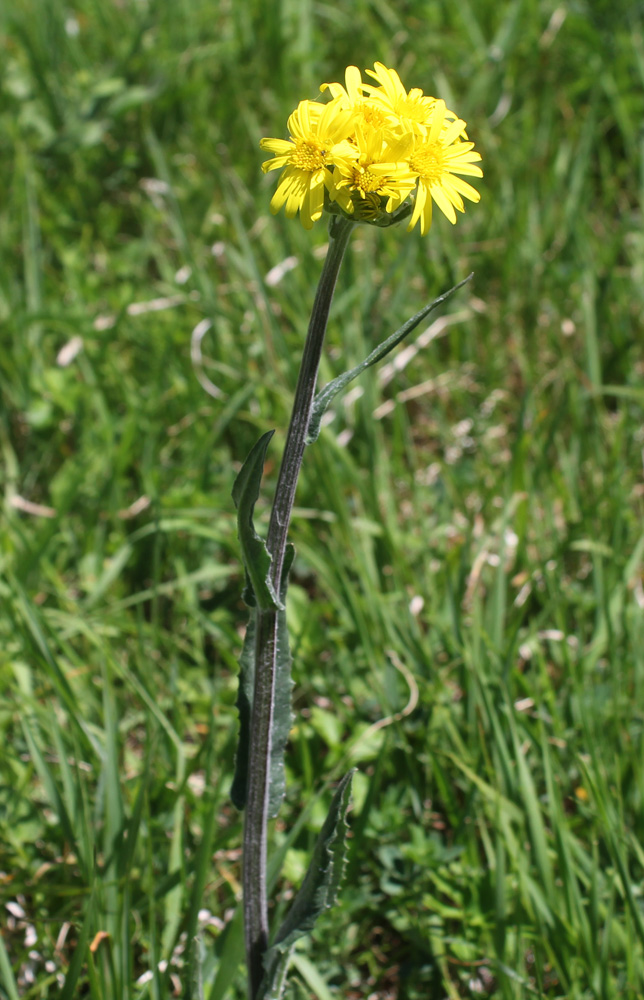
(467, 599)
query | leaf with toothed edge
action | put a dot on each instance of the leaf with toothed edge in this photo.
(318, 891)
(281, 704)
(256, 558)
(327, 394)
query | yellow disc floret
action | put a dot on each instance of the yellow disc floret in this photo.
(308, 156)
(428, 161)
(365, 180)
(372, 116)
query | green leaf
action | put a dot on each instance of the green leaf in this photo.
(326, 395)
(230, 949)
(316, 984)
(79, 957)
(257, 561)
(281, 704)
(318, 892)
(6, 971)
(45, 774)
(203, 868)
(239, 786)
(282, 717)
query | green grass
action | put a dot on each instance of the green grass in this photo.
(481, 539)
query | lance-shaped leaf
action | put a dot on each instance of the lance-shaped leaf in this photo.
(257, 561)
(239, 787)
(327, 394)
(281, 696)
(318, 891)
(281, 704)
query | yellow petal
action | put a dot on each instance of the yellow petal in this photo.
(276, 164)
(443, 203)
(466, 189)
(453, 195)
(277, 145)
(353, 80)
(465, 168)
(438, 117)
(453, 131)
(426, 219)
(421, 198)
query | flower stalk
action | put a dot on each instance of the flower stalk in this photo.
(266, 636)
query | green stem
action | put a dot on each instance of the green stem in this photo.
(256, 817)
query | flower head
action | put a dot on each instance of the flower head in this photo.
(411, 111)
(318, 140)
(380, 174)
(437, 159)
(376, 152)
(371, 114)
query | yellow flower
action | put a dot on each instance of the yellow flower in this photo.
(437, 158)
(380, 171)
(366, 112)
(412, 110)
(318, 140)
(370, 149)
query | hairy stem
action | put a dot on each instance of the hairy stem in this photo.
(256, 818)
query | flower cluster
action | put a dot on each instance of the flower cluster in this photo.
(375, 152)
